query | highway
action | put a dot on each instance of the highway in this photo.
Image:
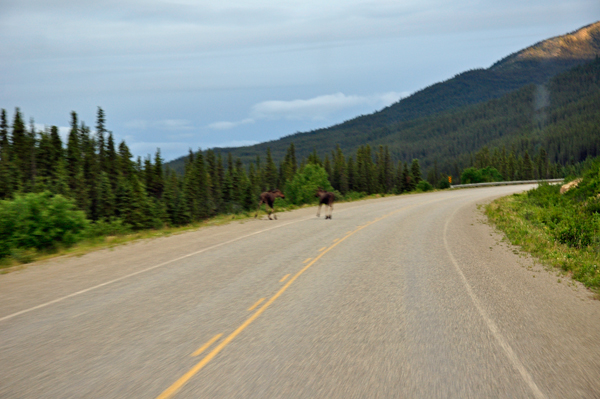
(411, 296)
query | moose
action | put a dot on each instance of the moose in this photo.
(268, 197)
(326, 198)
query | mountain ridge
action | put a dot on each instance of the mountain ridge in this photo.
(535, 64)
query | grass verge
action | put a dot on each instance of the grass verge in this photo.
(519, 219)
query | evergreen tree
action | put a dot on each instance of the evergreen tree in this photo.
(110, 158)
(75, 176)
(408, 181)
(388, 171)
(125, 166)
(398, 182)
(352, 183)
(158, 180)
(190, 189)
(4, 143)
(415, 169)
(106, 199)
(270, 172)
(327, 167)
(101, 142)
(205, 203)
(340, 173)
(215, 179)
(527, 167)
(20, 150)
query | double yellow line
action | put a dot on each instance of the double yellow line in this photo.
(187, 376)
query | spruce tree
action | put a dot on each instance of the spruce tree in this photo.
(388, 171)
(4, 143)
(415, 169)
(75, 176)
(398, 180)
(19, 149)
(159, 184)
(527, 167)
(215, 179)
(101, 141)
(352, 185)
(408, 181)
(270, 172)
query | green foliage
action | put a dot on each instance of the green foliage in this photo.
(304, 185)
(473, 175)
(39, 221)
(443, 183)
(563, 229)
(424, 186)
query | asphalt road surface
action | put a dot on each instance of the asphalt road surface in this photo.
(400, 297)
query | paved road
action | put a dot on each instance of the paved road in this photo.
(400, 297)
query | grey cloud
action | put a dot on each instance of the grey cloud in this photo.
(320, 107)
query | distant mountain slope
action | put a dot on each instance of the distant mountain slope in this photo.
(533, 65)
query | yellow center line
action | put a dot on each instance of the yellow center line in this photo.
(186, 377)
(284, 278)
(206, 345)
(336, 240)
(307, 260)
(322, 249)
(256, 304)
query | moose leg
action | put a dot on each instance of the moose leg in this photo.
(330, 210)
(319, 210)
(258, 209)
(270, 210)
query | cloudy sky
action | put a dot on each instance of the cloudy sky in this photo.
(196, 74)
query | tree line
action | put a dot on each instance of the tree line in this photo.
(107, 183)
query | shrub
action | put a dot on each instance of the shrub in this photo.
(424, 185)
(575, 232)
(39, 221)
(471, 175)
(304, 185)
(443, 183)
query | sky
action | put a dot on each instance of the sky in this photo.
(194, 74)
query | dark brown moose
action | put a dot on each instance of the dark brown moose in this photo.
(268, 197)
(326, 198)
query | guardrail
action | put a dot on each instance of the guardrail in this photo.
(506, 183)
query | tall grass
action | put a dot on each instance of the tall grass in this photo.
(562, 230)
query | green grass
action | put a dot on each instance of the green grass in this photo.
(560, 230)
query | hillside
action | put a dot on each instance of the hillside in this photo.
(393, 125)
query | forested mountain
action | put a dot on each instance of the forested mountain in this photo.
(424, 125)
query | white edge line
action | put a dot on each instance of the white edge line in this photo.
(512, 356)
(43, 305)
(144, 270)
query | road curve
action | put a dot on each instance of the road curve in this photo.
(411, 296)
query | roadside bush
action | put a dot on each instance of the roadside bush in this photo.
(424, 186)
(443, 183)
(304, 185)
(562, 229)
(575, 232)
(484, 175)
(39, 221)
